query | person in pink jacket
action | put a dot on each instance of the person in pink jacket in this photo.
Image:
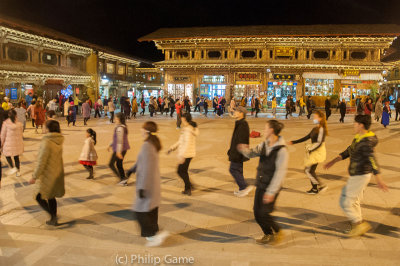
(12, 142)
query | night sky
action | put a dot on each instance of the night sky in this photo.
(119, 23)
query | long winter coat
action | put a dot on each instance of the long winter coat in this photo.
(40, 115)
(49, 171)
(378, 109)
(134, 106)
(66, 108)
(11, 138)
(88, 151)
(147, 179)
(86, 110)
(186, 144)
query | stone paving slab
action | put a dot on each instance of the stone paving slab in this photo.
(212, 226)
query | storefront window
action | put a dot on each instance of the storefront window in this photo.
(247, 91)
(319, 87)
(212, 90)
(281, 90)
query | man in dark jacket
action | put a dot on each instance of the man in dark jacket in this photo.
(343, 109)
(327, 108)
(241, 135)
(362, 166)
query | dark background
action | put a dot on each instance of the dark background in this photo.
(119, 23)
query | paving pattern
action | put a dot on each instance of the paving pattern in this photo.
(212, 226)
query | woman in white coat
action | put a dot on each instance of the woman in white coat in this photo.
(186, 147)
(12, 142)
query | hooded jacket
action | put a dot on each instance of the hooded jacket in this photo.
(361, 153)
(49, 171)
(186, 144)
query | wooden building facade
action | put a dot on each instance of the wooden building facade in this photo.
(268, 61)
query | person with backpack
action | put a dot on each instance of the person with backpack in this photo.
(186, 147)
(271, 171)
(362, 166)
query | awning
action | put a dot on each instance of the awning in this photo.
(248, 82)
(319, 75)
(363, 76)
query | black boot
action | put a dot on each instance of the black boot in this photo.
(91, 176)
(53, 221)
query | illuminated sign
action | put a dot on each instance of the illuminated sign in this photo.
(248, 76)
(67, 91)
(284, 76)
(351, 72)
(284, 51)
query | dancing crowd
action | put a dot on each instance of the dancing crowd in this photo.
(272, 152)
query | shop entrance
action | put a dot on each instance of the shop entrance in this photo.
(247, 91)
(281, 90)
(180, 90)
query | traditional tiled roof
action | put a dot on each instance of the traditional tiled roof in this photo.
(46, 32)
(274, 31)
(40, 68)
(394, 56)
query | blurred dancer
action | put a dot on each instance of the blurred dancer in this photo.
(362, 166)
(148, 186)
(186, 146)
(315, 152)
(271, 171)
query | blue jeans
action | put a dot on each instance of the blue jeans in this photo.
(236, 170)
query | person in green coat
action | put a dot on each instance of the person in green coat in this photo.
(49, 171)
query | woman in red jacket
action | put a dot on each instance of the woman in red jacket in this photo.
(368, 107)
(178, 108)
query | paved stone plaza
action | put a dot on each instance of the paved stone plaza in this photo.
(212, 226)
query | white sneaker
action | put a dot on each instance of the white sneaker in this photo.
(12, 171)
(244, 192)
(123, 182)
(157, 240)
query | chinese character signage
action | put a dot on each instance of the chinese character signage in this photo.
(351, 72)
(184, 79)
(284, 76)
(284, 51)
(248, 76)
